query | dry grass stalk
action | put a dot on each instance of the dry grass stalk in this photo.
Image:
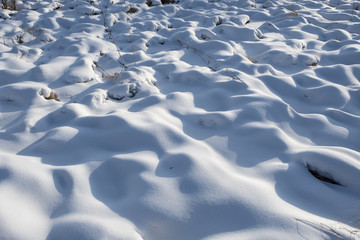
(111, 37)
(251, 59)
(207, 59)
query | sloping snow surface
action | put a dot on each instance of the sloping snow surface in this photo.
(181, 120)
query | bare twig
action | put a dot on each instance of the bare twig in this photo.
(116, 76)
(207, 59)
(132, 43)
(103, 70)
(111, 37)
(131, 10)
(234, 75)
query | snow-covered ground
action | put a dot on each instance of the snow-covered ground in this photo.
(204, 119)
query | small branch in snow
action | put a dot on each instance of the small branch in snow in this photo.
(114, 77)
(233, 75)
(207, 59)
(111, 37)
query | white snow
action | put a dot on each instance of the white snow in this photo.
(205, 119)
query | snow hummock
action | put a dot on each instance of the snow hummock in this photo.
(180, 119)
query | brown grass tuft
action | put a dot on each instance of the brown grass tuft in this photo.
(9, 4)
(52, 96)
(164, 2)
(132, 10)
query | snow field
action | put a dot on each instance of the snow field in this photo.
(191, 120)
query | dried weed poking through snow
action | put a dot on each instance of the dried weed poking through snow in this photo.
(132, 10)
(52, 96)
(9, 5)
(151, 3)
(49, 95)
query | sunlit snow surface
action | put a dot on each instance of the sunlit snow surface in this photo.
(210, 120)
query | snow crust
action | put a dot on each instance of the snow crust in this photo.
(188, 120)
